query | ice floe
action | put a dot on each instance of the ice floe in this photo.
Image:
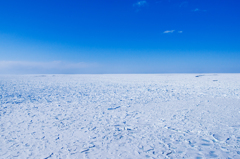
(120, 116)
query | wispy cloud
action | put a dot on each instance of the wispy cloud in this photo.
(140, 4)
(20, 67)
(183, 4)
(168, 31)
(195, 10)
(180, 32)
(198, 10)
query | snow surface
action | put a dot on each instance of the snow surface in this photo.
(120, 116)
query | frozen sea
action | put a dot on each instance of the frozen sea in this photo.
(120, 116)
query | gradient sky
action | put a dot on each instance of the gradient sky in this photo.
(119, 36)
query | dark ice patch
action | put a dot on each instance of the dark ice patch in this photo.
(114, 108)
(206, 144)
(85, 150)
(212, 155)
(199, 75)
(92, 146)
(216, 136)
(49, 156)
(205, 140)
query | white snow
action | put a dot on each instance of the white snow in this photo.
(120, 116)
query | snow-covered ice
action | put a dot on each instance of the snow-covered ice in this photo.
(120, 116)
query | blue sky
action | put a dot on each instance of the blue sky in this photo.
(119, 36)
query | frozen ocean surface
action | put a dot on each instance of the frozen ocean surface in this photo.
(120, 116)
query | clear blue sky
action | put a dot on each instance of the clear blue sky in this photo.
(119, 36)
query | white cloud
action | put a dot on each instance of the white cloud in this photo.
(168, 31)
(180, 31)
(140, 4)
(199, 10)
(19, 67)
(183, 4)
(195, 10)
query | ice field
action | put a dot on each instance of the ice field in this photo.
(120, 116)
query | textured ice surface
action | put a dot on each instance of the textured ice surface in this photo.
(120, 116)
